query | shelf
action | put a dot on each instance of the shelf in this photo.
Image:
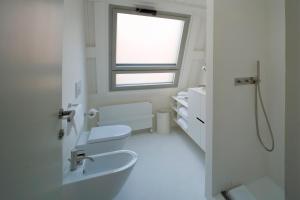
(174, 108)
(185, 130)
(179, 114)
(181, 101)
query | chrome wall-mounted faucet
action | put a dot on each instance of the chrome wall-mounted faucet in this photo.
(77, 156)
(245, 81)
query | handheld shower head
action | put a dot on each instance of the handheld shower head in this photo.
(258, 97)
(258, 71)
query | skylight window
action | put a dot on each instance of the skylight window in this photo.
(146, 48)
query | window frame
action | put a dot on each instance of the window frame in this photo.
(140, 68)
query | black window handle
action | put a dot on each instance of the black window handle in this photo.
(200, 120)
(146, 11)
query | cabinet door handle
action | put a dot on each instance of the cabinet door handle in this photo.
(200, 120)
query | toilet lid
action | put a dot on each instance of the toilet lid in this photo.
(105, 133)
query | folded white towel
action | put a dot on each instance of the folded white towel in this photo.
(183, 112)
(182, 93)
(182, 123)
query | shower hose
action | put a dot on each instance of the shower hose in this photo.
(258, 97)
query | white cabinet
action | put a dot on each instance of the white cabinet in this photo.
(193, 123)
(197, 117)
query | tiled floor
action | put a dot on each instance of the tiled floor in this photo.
(169, 167)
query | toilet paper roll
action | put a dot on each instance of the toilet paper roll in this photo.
(92, 113)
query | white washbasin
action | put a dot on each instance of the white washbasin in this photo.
(101, 179)
(201, 90)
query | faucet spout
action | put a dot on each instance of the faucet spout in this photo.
(77, 156)
(89, 158)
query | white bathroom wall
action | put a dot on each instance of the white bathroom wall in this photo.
(239, 39)
(292, 99)
(97, 57)
(73, 71)
(273, 82)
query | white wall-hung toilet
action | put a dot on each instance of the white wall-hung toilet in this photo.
(103, 139)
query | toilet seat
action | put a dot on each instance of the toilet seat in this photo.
(106, 133)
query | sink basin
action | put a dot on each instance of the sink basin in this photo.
(101, 179)
(201, 90)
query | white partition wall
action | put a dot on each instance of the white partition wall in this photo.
(274, 87)
(242, 32)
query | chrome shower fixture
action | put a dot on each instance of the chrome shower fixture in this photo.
(245, 81)
(256, 81)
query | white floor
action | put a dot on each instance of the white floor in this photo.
(169, 167)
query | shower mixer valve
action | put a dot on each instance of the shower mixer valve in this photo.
(245, 81)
